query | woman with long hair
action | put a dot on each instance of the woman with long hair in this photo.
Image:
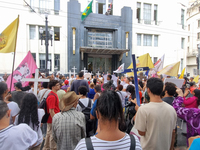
(130, 90)
(190, 115)
(192, 102)
(32, 116)
(111, 123)
(5, 96)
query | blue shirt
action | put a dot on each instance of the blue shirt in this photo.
(91, 93)
(93, 110)
(195, 144)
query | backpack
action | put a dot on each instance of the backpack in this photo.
(43, 105)
(89, 123)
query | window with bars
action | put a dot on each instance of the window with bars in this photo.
(32, 4)
(156, 40)
(101, 6)
(181, 64)
(156, 14)
(44, 6)
(32, 32)
(44, 32)
(56, 34)
(155, 59)
(182, 43)
(57, 62)
(147, 13)
(188, 27)
(138, 12)
(198, 36)
(139, 36)
(100, 39)
(188, 38)
(42, 58)
(182, 18)
(147, 40)
(34, 56)
(198, 23)
(56, 7)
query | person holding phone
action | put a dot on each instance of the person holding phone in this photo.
(190, 115)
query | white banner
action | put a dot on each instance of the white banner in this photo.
(120, 69)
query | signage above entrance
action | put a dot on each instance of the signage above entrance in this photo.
(95, 50)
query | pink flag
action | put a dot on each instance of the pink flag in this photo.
(24, 70)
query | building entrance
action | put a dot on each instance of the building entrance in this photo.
(101, 63)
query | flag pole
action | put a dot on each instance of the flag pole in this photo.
(14, 55)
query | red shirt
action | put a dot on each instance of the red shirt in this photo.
(52, 103)
(140, 93)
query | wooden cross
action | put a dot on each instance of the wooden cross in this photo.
(134, 70)
(98, 74)
(84, 70)
(70, 74)
(74, 71)
(35, 80)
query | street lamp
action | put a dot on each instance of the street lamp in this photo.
(47, 37)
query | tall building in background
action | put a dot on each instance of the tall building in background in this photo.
(159, 27)
(102, 41)
(193, 40)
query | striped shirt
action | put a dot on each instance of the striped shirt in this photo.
(98, 144)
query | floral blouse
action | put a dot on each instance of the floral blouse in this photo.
(190, 115)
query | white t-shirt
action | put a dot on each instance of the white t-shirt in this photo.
(37, 129)
(100, 78)
(157, 120)
(41, 92)
(98, 144)
(125, 86)
(19, 137)
(85, 102)
(14, 110)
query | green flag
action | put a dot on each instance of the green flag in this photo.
(87, 11)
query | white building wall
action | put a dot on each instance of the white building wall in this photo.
(193, 15)
(169, 30)
(13, 8)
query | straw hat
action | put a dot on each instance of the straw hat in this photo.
(68, 100)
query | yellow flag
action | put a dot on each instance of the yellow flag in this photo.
(170, 70)
(8, 37)
(182, 74)
(142, 61)
(196, 79)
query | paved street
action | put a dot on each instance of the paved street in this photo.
(181, 139)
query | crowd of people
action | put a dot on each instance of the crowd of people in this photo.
(98, 113)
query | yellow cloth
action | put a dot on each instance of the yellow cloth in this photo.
(182, 74)
(196, 79)
(8, 37)
(142, 61)
(170, 70)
